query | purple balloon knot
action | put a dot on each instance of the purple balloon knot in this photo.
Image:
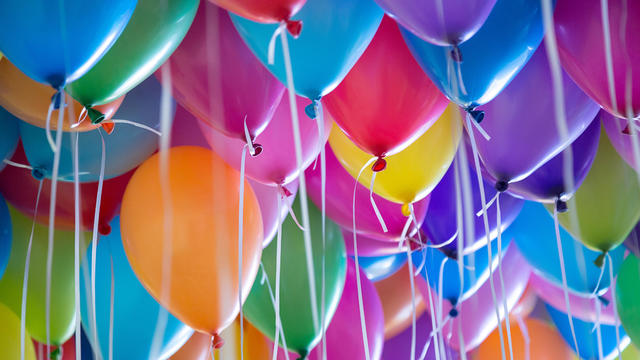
(456, 54)
(501, 186)
(561, 206)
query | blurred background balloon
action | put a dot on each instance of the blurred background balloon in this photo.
(620, 134)
(9, 136)
(399, 346)
(10, 336)
(378, 268)
(375, 245)
(6, 235)
(626, 297)
(266, 11)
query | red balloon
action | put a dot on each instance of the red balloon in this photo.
(265, 11)
(386, 101)
(67, 351)
(20, 189)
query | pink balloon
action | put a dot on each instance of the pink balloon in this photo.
(370, 246)
(339, 199)
(276, 164)
(399, 346)
(218, 79)
(620, 135)
(581, 307)
(185, 129)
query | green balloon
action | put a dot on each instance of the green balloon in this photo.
(62, 315)
(295, 304)
(607, 203)
(627, 300)
(153, 33)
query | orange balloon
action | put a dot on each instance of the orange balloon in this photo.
(196, 348)
(545, 343)
(29, 100)
(395, 294)
(202, 232)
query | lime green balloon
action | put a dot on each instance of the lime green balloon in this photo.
(62, 316)
(631, 353)
(295, 304)
(607, 203)
(153, 33)
(10, 337)
(628, 297)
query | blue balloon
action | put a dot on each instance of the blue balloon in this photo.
(534, 233)
(475, 271)
(586, 336)
(334, 35)
(57, 41)
(381, 267)
(135, 311)
(5, 235)
(9, 135)
(126, 147)
(490, 59)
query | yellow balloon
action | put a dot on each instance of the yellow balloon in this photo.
(411, 174)
(10, 337)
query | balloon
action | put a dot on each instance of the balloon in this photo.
(21, 189)
(276, 164)
(295, 304)
(491, 59)
(527, 302)
(399, 346)
(445, 23)
(8, 136)
(632, 243)
(369, 102)
(201, 215)
(153, 33)
(10, 336)
(544, 343)
(5, 235)
(135, 312)
(267, 200)
(372, 245)
(336, 33)
(185, 129)
(583, 53)
(523, 137)
(256, 345)
(62, 316)
(378, 268)
(29, 101)
(630, 353)
(125, 148)
(67, 350)
(196, 348)
(217, 78)
(533, 233)
(626, 298)
(606, 203)
(395, 294)
(402, 181)
(339, 202)
(586, 337)
(620, 136)
(546, 183)
(72, 36)
(266, 11)
(440, 222)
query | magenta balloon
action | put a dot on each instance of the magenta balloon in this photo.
(339, 199)
(370, 246)
(581, 307)
(185, 129)
(218, 79)
(399, 346)
(620, 136)
(276, 164)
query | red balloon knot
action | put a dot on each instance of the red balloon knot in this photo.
(104, 229)
(379, 165)
(216, 341)
(294, 27)
(108, 127)
(285, 191)
(257, 149)
(626, 130)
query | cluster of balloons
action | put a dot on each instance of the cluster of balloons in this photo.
(466, 161)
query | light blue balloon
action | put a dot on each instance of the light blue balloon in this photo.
(126, 147)
(9, 135)
(475, 272)
(5, 235)
(381, 267)
(586, 336)
(534, 233)
(334, 35)
(135, 311)
(57, 41)
(490, 59)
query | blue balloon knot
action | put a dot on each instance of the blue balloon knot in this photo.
(310, 110)
(38, 173)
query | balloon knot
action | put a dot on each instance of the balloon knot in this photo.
(55, 99)
(456, 54)
(217, 341)
(626, 130)
(452, 254)
(599, 261)
(603, 300)
(477, 115)
(303, 354)
(96, 116)
(406, 211)
(561, 206)
(285, 191)
(55, 354)
(108, 127)
(38, 173)
(310, 110)
(104, 229)
(502, 186)
(379, 165)
(453, 312)
(294, 27)
(257, 149)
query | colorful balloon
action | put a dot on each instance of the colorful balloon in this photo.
(67, 350)
(266, 11)
(626, 298)
(256, 345)
(375, 245)
(8, 136)
(399, 346)
(6, 235)
(196, 348)
(620, 136)
(378, 268)
(268, 201)
(201, 215)
(10, 336)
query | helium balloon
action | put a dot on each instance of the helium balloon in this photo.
(587, 65)
(125, 148)
(72, 36)
(5, 235)
(626, 298)
(378, 268)
(8, 136)
(632, 243)
(62, 316)
(67, 351)
(630, 353)
(402, 181)
(216, 77)
(533, 233)
(336, 33)
(201, 215)
(527, 302)
(491, 59)
(399, 346)
(368, 103)
(29, 101)
(620, 136)
(185, 129)
(197, 347)
(296, 310)
(10, 336)
(372, 245)
(134, 311)
(256, 345)
(266, 11)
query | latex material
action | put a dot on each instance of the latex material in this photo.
(369, 103)
(203, 216)
(8, 136)
(378, 268)
(335, 34)
(399, 346)
(403, 181)
(10, 336)
(262, 10)
(626, 298)
(372, 245)
(67, 350)
(6, 235)
(620, 136)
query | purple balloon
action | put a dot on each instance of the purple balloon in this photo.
(620, 135)
(522, 125)
(369, 246)
(399, 346)
(546, 183)
(440, 22)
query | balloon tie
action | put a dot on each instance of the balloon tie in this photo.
(598, 330)
(379, 165)
(294, 27)
(303, 354)
(561, 205)
(487, 206)
(525, 334)
(413, 296)
(501, 276)
(478, 116)
(596, 289)
(456, 54)
(217, 342)
(254, 149)
(139, 125)
(271, 52)
(615, 309)
(55, 354)
(81, 118)
(374, 206)
(265, 279)
(23, 166)
(52, 106)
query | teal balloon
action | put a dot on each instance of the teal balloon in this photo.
(586, 336)
(126, 148)
(5, 235)
(135, 312)
(9, 135)
(334, 35)
(490, 59)
(534, 233)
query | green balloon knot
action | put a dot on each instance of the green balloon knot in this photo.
(599, 261)
(303, 354)
(96, 116)
(55, 354)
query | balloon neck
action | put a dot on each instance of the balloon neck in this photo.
(380, 165)
(294, 27)
(257, 150)
(477, 115)
(456, 54)
(599, 261)
(217, 341)
(55, 354)
(406, 211)
(561, 206)
(38, 173)
(502, 186)
(104, 229)
(603, 300)
(96, 116)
